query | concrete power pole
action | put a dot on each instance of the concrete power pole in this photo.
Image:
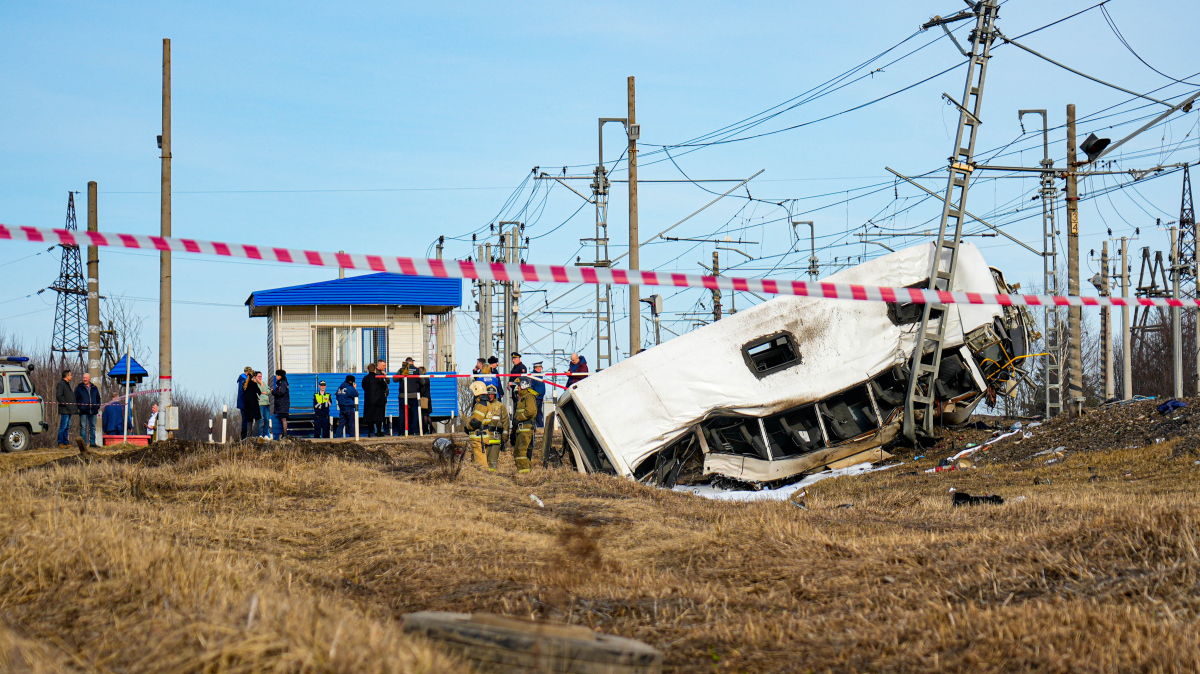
(716, 292)
(1176, 315)
(1126, 347)
(93, 291)
(164, 292)
(484, 255)
(635, 307)
(1106, 324)
(1074, 313)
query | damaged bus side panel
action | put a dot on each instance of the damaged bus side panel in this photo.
(794, 385)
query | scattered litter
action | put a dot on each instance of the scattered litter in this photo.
(1171, 405)
(1159, 441)
(846, 506)
(964, 464)
(1016, 426)
(1033, 424)
(799, 504)
(1056, 450)
(537, 500)
(1027, 435)
(918, 458)
(1041, 480)
(1128, 474)
(963, 498)
(1051, 461)
(888, 579)
(1018, 499)
(953, 489)
(783, 493)
(972, 444)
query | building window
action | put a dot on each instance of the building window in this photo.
(337, 348)
(771, 354)
(374, 346)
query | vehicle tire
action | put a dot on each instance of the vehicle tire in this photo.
(501, 644)
(16, 439)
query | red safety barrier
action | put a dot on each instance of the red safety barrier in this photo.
(540, 273)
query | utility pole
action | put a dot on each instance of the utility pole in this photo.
(1074, 313)
(1106, 325)
(93, 292)
(716, 292)
(1126, 346)
(1176, 328)
(1053, 315)
(164, 284)
(484, 256)
(635, 307)
(922, 380)
(600, 186)
(510, 246)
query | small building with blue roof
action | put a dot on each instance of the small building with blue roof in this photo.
(329, 329)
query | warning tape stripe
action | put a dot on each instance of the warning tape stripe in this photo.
(536, 273)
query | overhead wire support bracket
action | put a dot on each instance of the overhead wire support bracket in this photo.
(951, 101)
(974, 217)
(955, 41)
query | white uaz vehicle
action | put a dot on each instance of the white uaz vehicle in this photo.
(22, 412)
(794, 385)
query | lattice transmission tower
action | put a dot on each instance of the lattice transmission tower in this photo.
(70, 310)
(1187, 240)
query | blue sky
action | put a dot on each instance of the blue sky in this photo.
(376, 128)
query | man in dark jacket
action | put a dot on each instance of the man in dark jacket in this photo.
(376, 398)
(112, 424)
(411, 390)
(347, 402)
(87, 399)
(281, 398)
(578, 369)
(65, 397)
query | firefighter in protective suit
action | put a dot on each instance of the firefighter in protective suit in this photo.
(490, 420)
(525, 414)
(478, 411)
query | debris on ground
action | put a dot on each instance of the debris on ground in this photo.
(961, 498)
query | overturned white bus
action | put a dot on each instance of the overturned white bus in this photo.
(794, 385)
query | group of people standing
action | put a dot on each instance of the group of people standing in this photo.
(491, 425)
(83, 401)
(265, 407)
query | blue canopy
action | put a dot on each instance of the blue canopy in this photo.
(136, 371)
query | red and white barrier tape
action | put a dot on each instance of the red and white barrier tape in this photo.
(540, 273)
(119, 401)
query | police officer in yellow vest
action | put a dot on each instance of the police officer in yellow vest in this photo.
(478, 411)
(525, 413)
(490, 421)
(321, 401)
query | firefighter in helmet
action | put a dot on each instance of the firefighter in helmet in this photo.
(490, 421)
(478, 413)
(525, 413)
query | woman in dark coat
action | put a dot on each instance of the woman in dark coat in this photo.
(281, 400)
(251, 413)
(377, 398)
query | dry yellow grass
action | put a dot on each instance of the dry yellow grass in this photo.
(111, 566)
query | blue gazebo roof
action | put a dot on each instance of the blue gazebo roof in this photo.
(136, 371)
(379, 289)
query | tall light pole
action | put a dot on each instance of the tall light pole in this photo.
(635, 309)
(164, 283)
(1074, 313)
